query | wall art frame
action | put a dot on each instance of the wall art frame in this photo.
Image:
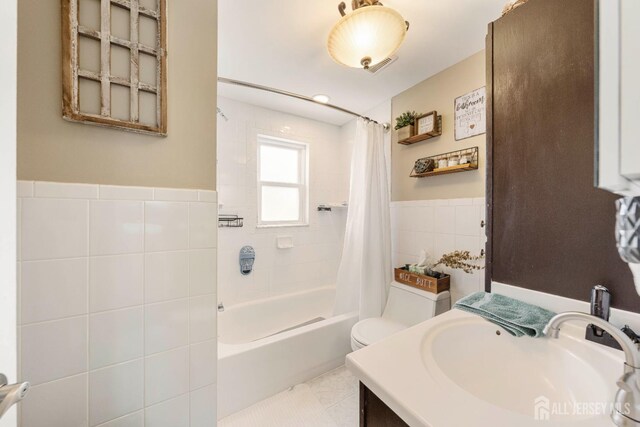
(74, 33)
(470, 114)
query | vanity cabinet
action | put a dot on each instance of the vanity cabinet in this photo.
(375, 413)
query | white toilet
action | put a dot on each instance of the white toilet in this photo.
(406, 306)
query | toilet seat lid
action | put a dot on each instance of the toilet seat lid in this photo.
(368, 331)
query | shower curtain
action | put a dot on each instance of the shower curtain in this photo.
(365, 270)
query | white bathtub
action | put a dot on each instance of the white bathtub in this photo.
(256, 360)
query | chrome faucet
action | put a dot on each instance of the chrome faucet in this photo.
(600, 307)
(626, 410)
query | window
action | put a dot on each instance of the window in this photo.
(282, 182)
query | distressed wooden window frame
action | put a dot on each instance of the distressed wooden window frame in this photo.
(71, 72)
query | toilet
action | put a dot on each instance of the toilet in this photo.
(406, 306)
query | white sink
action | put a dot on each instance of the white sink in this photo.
(509, 372)
(460, 370)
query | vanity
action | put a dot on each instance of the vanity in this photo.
(459, 370)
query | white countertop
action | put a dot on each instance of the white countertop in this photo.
(395, 370)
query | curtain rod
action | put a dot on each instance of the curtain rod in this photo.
(386, 126)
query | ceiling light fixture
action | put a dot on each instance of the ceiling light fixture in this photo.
(368, 35)
(321, 99)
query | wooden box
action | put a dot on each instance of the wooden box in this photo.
(426, 283)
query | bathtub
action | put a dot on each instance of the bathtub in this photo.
(266, 346)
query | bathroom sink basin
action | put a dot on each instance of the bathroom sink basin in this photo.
(458, 370)
(490, 364)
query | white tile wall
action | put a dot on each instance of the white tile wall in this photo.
(201, 410)
(440, 226)
(313, 261)
(60, 403)
(116, 283)
(170, 413)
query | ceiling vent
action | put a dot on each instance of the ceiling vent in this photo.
(374, 69)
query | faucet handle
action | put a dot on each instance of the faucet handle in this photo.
(631, 334)
(600, 302)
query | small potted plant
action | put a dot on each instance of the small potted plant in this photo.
(404, 124)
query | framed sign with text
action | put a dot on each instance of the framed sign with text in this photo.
(470, 114)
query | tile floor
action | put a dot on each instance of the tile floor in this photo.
(330, 400)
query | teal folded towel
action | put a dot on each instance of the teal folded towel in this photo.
(516, 317)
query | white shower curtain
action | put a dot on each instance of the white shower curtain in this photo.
(365, 269)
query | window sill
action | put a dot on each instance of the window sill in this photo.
(281, 225)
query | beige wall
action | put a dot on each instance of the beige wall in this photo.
(51, 149)
(438, 93)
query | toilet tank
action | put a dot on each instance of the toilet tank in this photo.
(411, 306)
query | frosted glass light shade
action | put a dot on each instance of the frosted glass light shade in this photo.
(374, 32)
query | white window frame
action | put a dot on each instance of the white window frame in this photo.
(302, 185)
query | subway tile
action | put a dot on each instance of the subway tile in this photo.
(118, 192)
(422, 218)
(460, 202)
(444, 219)
(463, 284)
(443, 243)
(203, 407)
(167, 375)
(175, 195)
(115, 337)
(166, 226)
(423, 241)
(24, 188)
(166, 276)
(64, 342)
(202, 272)
(116, 227)
(468, 243)
(202, 369)
(207, 196)
(53, 228)
(53, 289)
(61, 403)
(132, 420)
(65, 191)
(467, 220)
(166, 326)
(255, 286)
(116, 391)
(203, 225)
(116, 282)
(171, 413)
(202, 318)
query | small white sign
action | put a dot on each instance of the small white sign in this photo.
(470, 114)
(426, 124)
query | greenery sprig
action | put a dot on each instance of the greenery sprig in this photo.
(405, 119)
(460, 260)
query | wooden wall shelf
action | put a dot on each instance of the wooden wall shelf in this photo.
(444, 171)
(417, 138)
(424, 166)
